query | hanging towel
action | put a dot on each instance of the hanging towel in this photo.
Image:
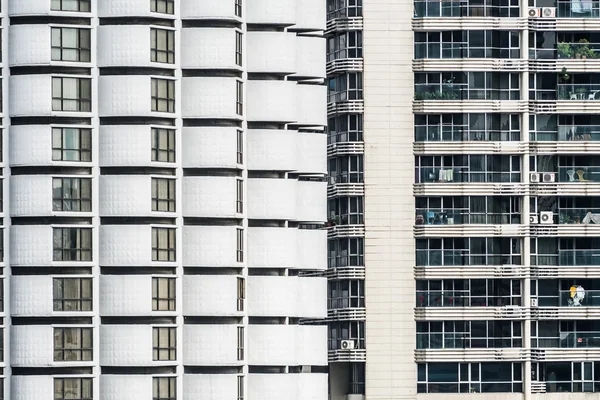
(586, 6)
(576, 7)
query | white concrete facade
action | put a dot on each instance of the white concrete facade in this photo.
(164, 199)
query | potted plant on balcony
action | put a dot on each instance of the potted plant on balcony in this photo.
(565, 50)
(584, 48)
(564, 75)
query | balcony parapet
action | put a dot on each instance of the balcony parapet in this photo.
(344, 65)
(349, 355)
(472, 272)
(471, 313)
(472, 147)
(470, 189)
(344, 24)
(346, 148)
(472, 355)
(469, 64)
(467, 23)
(467, 106)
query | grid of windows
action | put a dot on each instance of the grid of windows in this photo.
(73, 344)
(240, 343)
(163, 194)
(164, 344)
(239, 204)
(72, 244)
(163, 294)
(72, 294)
(163, 145)
(71, 94)
(71, 144)
(240, 246)
(163, 244)
(73, 389)
(162, 6)
(71, 5)
(71, 44)
(162, 46)
(72, 194)
(239, 104)
(164, 388)
(163, 95)
(238, 48)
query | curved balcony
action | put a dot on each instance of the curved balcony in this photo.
(210, 345)
(472, 355)
(347, 314)
(209, 147)
(122, 295)
(346, 356)
(465, 147)
(343, 23)
(336, 189)
(133, 387)
(346, 107)
(468, 230)
(436, 23)
(342, 230)
(287, 386)
(344, 65)
(211, 10)
(472, 272)
(212, 48)
(345, 148)
(131, 8)
(218, 100)
(470, 313)
(470, 189)
(262, 58)
(287, 345)
(209, 196)
(469, 64)
(203, 386)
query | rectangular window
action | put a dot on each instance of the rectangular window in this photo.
(1, 357)
(73, 389)
(1, 245)
(238, 48)
(238, 8)
(1, 295)
(241, 293)
(164, 344)
(163, 145)
(239, 204)
(239, 105)
(163, 194)
(162, 46)
(240, 343)
(71, 144)
(72, 294)
(163, 95)
(240, 147)
(164, 388)
(163, 244)
(162, 6)
(163, 294)
(240, 388)
(73, 344)
(72, 194)
(70, 5)
(71, 94)
(71, 44)
(240, 245)
(72, 244)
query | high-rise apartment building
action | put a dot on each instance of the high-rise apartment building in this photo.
(164, 192)
(478, 163)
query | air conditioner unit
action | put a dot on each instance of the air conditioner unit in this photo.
(549, 12)
(548, 177)
(534, 12)
(546, 217)
(533, 219)
(347, 344)
(533, 302)
(534, 177)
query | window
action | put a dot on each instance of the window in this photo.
(1, 295)
(240, 147)
(72, 244)
(468, 127)
(71, 94)
(163, 244)
(72, 194)
(72, 294)
(238, 8)
(73, 389)
(240, 245)
(163, 194)
(163, 145)
(345, 252)
(71, 44)
(240, 388)
(163, 294)
(71, 144)
(469, 334)
(162, 6)
(468, 251)
(239, 105)
(1, 357)
(241, 293)
(163, 95)
(490, 377)
(240, 343)
(238, 48)
(346, 294)
(71, 5)
(164, 388)
(164, 344)
(239, 204)
(1, 245)
(73, 344)
(345, 87)
(346, 330)
(162, 46)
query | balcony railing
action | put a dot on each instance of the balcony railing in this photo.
(456, 217)
(461, 257)
(458, 174)
(461, 91)
(578, 174)
(463, 298)
(464, 340)
(450, 133)
(580, 92)
(578, 216)
(578, 257)
(461, 9)
(571, 340)
(462, 50)
(578, 9)
(568, 298)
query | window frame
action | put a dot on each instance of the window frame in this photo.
(158, 382)
(239, 46)
(59, 299)
(158, 352)
(84, 137)
(82, 5)
(162, 104)
(239, 98)
(83, 48)
(240, 387)
(83, 104)
(83, 254)
(157, 247)
(240, 245)
(158, 202)
(77, 199)
(159, 297)
(240, 147)
(81, 381)
(156, 51)
(241, 293)
(240, 343)
(82, 353)
(158, 151)
(169, 6)
(239, 196)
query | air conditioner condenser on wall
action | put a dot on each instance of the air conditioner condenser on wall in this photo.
(347, 344)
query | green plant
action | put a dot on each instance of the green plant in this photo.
(564, 75)
(580, 90)
(565, 50)
(564, 219)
